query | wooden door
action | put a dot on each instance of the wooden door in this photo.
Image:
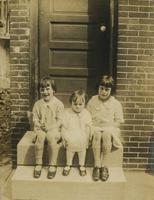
(72, 47)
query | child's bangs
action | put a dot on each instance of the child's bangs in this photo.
(107, 81)
(107, 84)
(45, 83)
(79, 99)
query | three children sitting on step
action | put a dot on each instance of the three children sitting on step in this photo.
(77, 127)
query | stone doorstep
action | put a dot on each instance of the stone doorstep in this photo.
(25, 187)
(26, 154)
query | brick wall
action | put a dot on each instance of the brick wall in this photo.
(19, 68)
(135, 80)
(135, 76)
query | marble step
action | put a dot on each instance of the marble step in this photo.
(72, 187)
(26, 155)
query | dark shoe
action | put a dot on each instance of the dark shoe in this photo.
(82, 171)
(37, 173)
(104, 174)
(66, 171)
(51, 174)
(96, 174)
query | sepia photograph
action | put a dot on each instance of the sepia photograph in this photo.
(76, 99)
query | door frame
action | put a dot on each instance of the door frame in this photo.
(34, 47)
(114, 5)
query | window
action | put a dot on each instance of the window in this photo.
(4, 18)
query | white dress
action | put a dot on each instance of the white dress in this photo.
(47, 113)
(77, 128)
(104, 114)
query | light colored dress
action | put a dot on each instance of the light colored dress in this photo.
(77, 129)
(104, 114)
(47, 117)
(47, 113)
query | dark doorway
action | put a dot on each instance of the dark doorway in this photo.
(77, 43)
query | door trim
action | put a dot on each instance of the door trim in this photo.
(114, 4)
(34, 67)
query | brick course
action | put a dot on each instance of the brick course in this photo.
(135, 80)
(19, 69)
(135, 76)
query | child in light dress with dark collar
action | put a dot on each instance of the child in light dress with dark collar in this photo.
(47, 119)
(76, 131)
(107, 115)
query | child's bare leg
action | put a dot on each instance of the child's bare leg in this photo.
(69, 159)
(106, 147)
(97, 164)
(53, 149)
(97, 156)
(39, 146)
(53, 156)
(82, 156)
(97, 149)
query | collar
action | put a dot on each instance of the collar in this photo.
(108, 101)
(49, 104)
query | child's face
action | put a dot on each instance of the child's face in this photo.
(46, 93)
(78, 106)
(104, 92)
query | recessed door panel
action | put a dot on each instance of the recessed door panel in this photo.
(73, 48)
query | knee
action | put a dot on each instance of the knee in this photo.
(53, 135)
(97, 136)
(107, 134)
(96, 144)
(107, 140)
(40, 139)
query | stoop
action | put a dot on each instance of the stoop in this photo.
(26, 156)
(72, 187)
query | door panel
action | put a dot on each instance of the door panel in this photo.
(72, 48)
(70, 62)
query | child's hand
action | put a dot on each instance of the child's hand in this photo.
(60, 140)
(43, 127)
(34, 139)
(64, 143)
(98, 129)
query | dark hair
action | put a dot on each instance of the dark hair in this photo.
(78, 94)
(47, 81)
(107, 81)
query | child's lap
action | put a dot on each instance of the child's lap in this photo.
(51, 136)
(109, 134)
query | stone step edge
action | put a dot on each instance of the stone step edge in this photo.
(25, 173)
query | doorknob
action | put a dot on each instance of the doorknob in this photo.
(102, 28)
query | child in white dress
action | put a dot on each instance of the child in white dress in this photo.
(76, 131)
(107, 115)
(47, 118)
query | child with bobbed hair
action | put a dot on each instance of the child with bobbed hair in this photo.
(107, 115)
(47, 118)
(76, 131)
